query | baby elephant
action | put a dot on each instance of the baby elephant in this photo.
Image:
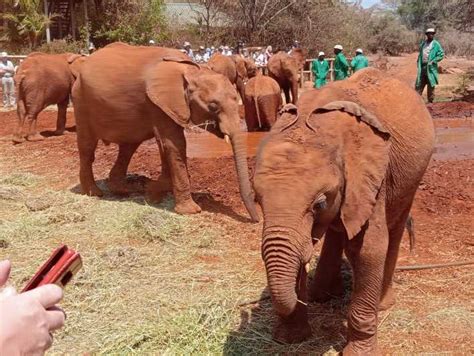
(262, 101)
(345, 164)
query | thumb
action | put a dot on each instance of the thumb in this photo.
(4, 271)
(7, 292)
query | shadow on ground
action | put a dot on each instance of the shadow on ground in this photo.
(138, 186)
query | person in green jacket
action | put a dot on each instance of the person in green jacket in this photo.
(341, 66)
(320, 69)
(359, 61)
(430, 54)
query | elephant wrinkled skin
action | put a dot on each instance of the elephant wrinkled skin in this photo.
(43, 80)
(345, 164)
(285, 69)
(128, 94)
(262, 101)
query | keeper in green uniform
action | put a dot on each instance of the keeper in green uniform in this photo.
(341, 66)
(359, 61)
(320, 69)
(430, 54)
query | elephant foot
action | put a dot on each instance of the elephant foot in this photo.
(322, 290)
(362, 348)
(187, 207)
(388, 300)
(292, 330)
(93, 191)
(18, 139)
(35, 137)
(58, 132)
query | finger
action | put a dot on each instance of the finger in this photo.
(7, 292)
(48, 341)
(55, 318)
(47, 295)
(5, 267)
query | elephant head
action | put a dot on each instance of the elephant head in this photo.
(192, 95)
(314, 172)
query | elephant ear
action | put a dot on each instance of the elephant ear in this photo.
(287, 117)
(366, 157)
(166, 86)
(241, 69)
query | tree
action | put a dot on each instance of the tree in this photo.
(132, 21)
(28, 20)
(208, 15)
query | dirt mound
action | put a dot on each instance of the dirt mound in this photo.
(454, 109)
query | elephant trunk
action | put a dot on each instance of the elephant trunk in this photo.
(283, 265)
(240, 153)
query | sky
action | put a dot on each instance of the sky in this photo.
(369, 3)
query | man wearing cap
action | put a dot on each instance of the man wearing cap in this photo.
(430, 54)
(7, 70)
(199, 57)
(320, 69)
(341, 66)
(151, 42)
(189, 51)
(359, 61)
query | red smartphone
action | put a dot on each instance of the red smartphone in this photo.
(59, 269)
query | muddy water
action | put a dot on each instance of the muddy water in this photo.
(451, 143)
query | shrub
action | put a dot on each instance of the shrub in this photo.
(61, 46)
(457, 43)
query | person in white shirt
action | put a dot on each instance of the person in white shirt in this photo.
(268, 53)
(7, 71)
(227, 51)
(199, 57)
(207, 55)
(189, 51)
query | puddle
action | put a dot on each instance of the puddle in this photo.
(451, 143)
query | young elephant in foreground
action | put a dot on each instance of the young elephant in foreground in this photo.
(42, 80)
(128, 94)
(345, 164)
(261, 101)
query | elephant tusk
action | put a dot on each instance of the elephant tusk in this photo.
(306, 267)
(227, 139)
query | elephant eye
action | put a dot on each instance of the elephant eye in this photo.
(213, 107)
(320, 204)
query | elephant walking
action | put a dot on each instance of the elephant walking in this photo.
(43, 80)
(351, 157)
(166, 93)
(285, 69)
(262, 101)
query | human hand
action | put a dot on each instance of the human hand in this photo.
(28, 319)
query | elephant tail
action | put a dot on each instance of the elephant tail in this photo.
(257, 110)
(410, 226)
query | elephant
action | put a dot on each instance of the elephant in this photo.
(285, 68)
(166, 93)
(262, 101)
(236, 68)
(42, 80)
(346, 163)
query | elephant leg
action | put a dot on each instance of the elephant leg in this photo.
(156, 189)
(87, 144)
(294, 92)
(395, 238)
(61, 120)
(18, 136)
(366, 253)
(327, 281)
(33, 134)
(251, 114)
(286, 90)
(174, 145)
(117, 176)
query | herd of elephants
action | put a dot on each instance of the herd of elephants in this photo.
(342, 162)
